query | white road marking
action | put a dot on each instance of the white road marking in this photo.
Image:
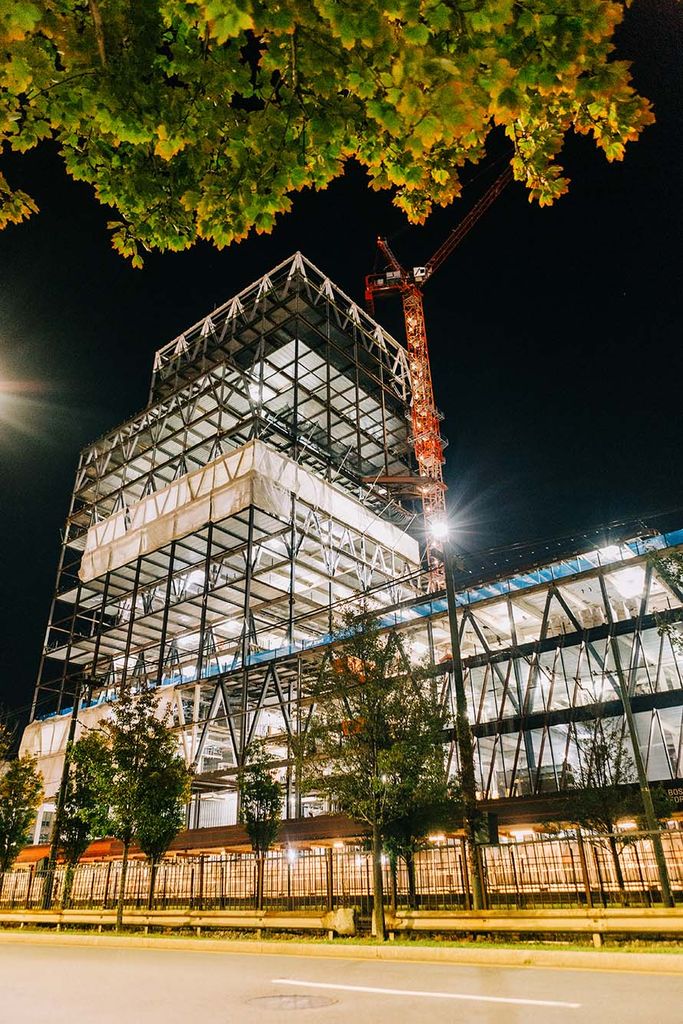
(429, 995)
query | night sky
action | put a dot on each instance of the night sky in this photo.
(556, 338)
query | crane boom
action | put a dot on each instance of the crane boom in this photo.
(425, 417)
(386, 251)
(467, 223)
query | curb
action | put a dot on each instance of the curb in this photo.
(642, 963)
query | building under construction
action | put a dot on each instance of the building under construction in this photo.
(214, 540)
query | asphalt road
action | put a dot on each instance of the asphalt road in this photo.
(90, 985)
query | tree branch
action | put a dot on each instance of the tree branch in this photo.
(99, 30)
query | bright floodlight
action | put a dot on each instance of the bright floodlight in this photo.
(439, 529)
(255, 391)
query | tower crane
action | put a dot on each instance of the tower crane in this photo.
(425, 417)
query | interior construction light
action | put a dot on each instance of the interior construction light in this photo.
(610, 553)
(195, 579)
(520, 834)
(628, 582)
(438, 837)
(260, 392)
(628, 826)
(291, 855)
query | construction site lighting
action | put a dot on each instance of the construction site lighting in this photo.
(439, 529)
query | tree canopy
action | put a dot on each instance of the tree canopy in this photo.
(149, 783)
(21, 790)
(85, 815)
(603, 790)
(375, 743)
(260, 799)
(200, 118)
(260, 807)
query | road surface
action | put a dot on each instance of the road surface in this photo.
(56, 984)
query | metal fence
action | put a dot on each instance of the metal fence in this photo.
(544, 872)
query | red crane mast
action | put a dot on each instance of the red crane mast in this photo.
(425, 417)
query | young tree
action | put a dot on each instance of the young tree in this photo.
(162, 803)
(85, 814)
(145, 779)
(432, 803)
(261, 806)
(200, 120)
(378, 738)
(604, 794)
(21, 790)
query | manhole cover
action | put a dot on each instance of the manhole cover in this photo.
(292, 1002)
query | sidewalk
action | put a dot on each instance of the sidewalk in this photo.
(593, 960)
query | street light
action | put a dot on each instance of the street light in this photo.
(441, 533)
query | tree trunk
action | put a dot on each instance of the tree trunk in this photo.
(614, 850)
(153, 869)
(99, 31)
(410, 871)
(393, 863)
(260, 872)
(68, 884)
(378, 883)
(122, 887)
(475, 870)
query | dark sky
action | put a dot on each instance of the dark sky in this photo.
(556, 338)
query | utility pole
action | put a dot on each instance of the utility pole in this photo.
(463, 730)
(61, 800)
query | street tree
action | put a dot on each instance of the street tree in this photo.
(432, 804)
(162, 802)
(6, 735)
(85, 812)
(260, 807)
(201, 120)
(145, 779)
(604, 791)
(376, 740)
(21, 790)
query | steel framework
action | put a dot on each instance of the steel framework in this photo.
(214, 539)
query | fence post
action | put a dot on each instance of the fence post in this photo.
(519, 898)
(106, 885)
(329, 878)
(575, 880)
(600, 882)
(645, 885)
(482, 875)
(584, 870)
(201, 882)
(31, 874)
